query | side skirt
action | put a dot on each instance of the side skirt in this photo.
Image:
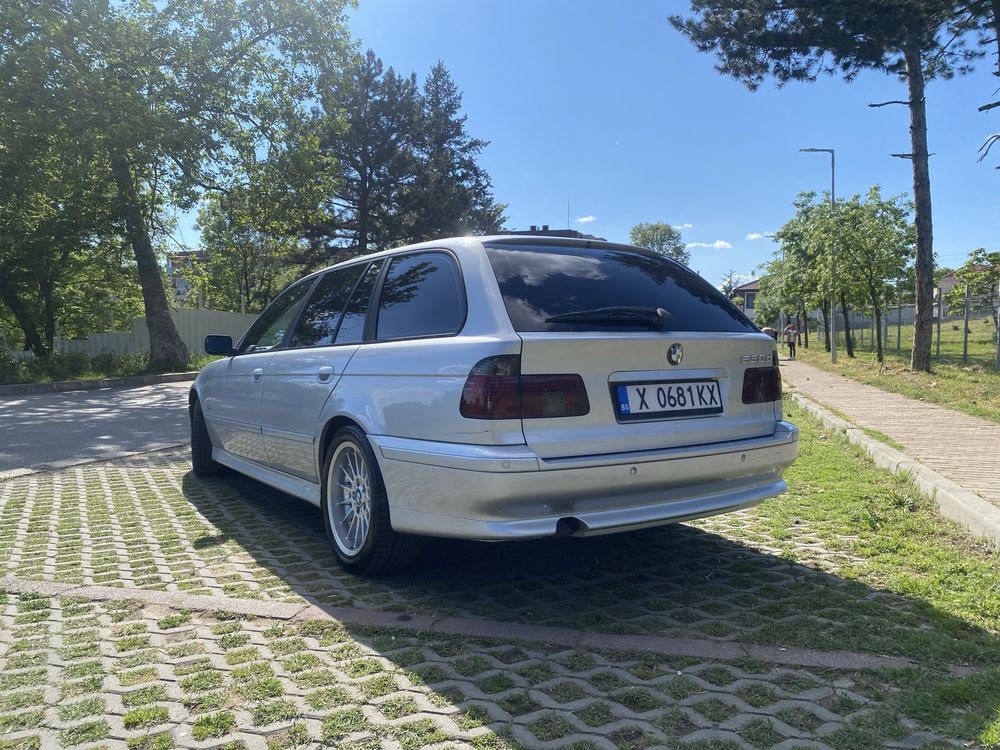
(294, 486)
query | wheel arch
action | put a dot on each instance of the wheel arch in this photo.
(326, 437)
(193, 398)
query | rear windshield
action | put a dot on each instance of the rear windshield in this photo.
(538, 282)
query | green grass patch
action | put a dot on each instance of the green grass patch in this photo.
(144, 696)
(31, 742)
(150, 742)
(174, 620)
(145, 716)
(18, 722)
(343, 722)
(415, 735)
(81, 709)
(90, 732)
(212, 725)
(24, 699)
(273, 711)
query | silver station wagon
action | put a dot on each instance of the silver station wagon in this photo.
(497, 388)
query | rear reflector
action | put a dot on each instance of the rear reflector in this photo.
(496, 389)
(761, 384)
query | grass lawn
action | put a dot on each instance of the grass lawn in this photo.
(973, 389)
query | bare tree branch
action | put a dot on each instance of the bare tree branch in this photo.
(984, 150)
(991, 105)
(886, 104)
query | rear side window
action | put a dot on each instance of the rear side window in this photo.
(421, 296)
(321, 316)
(352, 326)
(539, 282)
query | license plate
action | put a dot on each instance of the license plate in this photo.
(687, 398)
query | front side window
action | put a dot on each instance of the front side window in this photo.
(268, 331)
(352, 326)
(321, 316)
(421, 296)
(549, 288)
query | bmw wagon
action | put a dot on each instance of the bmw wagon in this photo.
(497, 388)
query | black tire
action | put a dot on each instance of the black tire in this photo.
(380, 549)
(201, 446)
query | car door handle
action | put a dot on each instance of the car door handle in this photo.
(257, 374)
(324, 374)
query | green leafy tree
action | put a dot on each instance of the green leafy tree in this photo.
(660, 238)
(170, 97)
(60, 261)
(982, 274)
(915, 40)
(246, 262)
(877, 245)
(798, 279)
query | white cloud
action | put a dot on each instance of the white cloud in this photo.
(759, 235)
(586, 219)
(683, 226)
(717, 245)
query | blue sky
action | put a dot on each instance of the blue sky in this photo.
(603, 104)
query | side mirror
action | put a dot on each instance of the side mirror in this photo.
(215, 344)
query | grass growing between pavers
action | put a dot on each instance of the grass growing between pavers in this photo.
(850, 558)
(973, 388)
(566, 697)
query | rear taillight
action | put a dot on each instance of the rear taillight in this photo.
(761, 384)
(496, 389)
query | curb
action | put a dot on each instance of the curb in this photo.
(73, 462)
(132, 381)
(954, 501)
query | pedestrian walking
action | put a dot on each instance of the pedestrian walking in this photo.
(791, 336)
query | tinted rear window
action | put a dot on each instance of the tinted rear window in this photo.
(539, 282)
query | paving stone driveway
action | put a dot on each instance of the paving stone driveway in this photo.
(149, 677)
(122, 674)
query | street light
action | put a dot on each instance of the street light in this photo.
(833, 263)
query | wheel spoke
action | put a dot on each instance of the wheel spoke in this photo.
(349, 500)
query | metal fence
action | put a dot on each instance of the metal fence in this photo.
(192, 325)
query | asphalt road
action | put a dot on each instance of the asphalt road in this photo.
(58, 429)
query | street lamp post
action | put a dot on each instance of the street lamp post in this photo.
(833, 248)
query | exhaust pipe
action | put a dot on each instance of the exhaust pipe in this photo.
(568, 526)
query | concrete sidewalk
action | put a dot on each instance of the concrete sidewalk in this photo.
(961, 449)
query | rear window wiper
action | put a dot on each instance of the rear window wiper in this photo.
(625, 316)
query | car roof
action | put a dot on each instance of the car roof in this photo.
(451, 243)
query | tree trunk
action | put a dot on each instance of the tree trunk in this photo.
(847, 325)
(924, 263)
(32, 340)
(363, 217)
(825, 306)
(879, 344)
(166, 349)
(804, 329)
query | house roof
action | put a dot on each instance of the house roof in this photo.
(750, 286)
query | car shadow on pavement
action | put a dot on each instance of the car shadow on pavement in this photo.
(677, 580)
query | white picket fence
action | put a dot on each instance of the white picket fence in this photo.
(192, 325)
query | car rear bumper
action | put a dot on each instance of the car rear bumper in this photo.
(506, 492)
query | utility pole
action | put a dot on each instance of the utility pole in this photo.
(965, 328)
(833, 250)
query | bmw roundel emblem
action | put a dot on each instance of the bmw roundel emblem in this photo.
(675, 354)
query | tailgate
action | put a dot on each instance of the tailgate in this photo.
(671, 405)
